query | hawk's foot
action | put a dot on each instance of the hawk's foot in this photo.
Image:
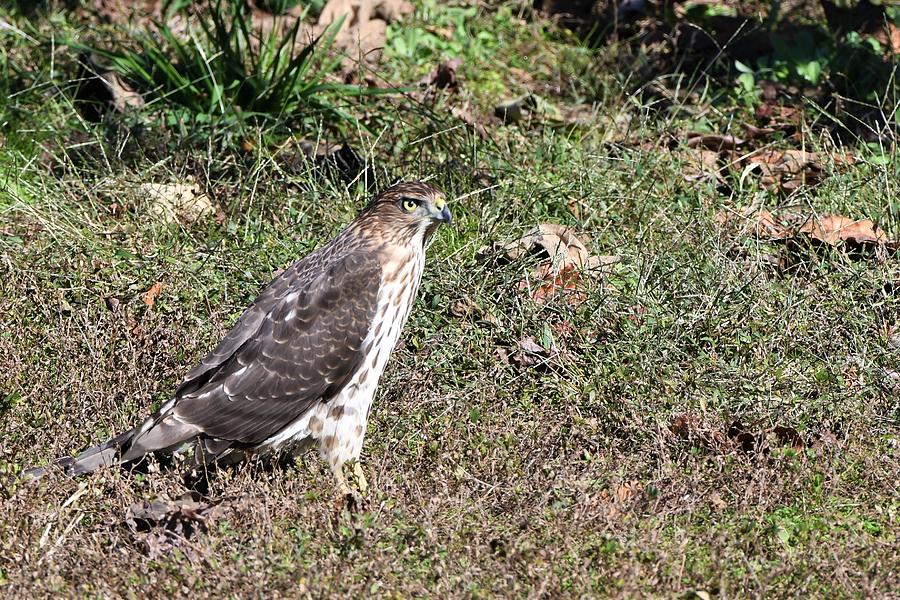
(361, 484)
(350, 498)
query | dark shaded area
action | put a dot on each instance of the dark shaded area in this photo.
(843, 59)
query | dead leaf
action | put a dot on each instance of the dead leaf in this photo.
(788, 436)
(443, 76)
(152, 294)
(760, 224)
(701, 165)
(716, 499)
(714, 141)
(466, 117)
(563, 260)
(833, 230)
(787, 170)
(363, 31)
(177, 202)
(529, 353)
(550, 284)
(695, 431)
(555, 242)
(164, 523)
(463, 308)
(628, 490)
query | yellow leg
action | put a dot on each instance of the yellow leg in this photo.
(343, 488)
(361, 484)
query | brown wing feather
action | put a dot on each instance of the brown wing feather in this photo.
(299, 343)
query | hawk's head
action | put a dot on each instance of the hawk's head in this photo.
(409, 210)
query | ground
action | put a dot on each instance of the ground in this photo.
(713, 413)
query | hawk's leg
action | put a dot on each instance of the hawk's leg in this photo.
(343, 487)
(361, 484)
(351, 494)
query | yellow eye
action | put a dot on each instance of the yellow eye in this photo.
(410, 205)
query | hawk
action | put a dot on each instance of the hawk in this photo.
(301, 365)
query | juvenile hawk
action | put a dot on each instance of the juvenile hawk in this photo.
(302, 363)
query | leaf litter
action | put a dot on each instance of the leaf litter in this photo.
(563, 261)
(164, 524)
(828, 230)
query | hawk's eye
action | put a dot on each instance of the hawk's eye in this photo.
(410, 205)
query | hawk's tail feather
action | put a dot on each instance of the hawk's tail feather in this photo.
(156, 434)
(95, 457)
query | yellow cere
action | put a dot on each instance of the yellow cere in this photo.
(440, 203)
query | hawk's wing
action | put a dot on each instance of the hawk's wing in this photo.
(301, 341)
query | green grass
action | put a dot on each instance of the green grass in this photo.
(489, 477)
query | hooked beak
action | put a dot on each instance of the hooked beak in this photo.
(442, 214)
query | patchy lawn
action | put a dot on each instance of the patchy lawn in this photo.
(708, 405)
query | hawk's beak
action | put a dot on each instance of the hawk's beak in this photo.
(442, 213)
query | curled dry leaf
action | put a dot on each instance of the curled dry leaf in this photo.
(152, 294)
(177, 202)
(701, 165)
(466, 117)
(559, 244)
(564, 259)
(530, 353)
(696, 432)
(830, 230)
(833, 230)
(760, 224)
(787, 170)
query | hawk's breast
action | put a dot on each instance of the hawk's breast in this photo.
(339, 423)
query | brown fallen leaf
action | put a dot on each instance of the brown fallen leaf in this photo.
(556, 243)
(466, 117)
(761, 224)
(714, 141)
(463, 308)
(695, 431)
(363, 32)
(153, 293)
(551, 283)
(529, 352)
(628, 490)
(701, 165)
(443, 76)
(833, 230)
(788, 170)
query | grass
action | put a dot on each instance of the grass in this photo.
(490, 477)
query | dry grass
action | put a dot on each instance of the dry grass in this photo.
(569, 475)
